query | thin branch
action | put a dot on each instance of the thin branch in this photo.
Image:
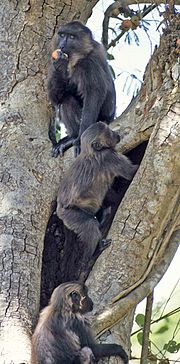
(166, 303)
(159, 350)
(118, 6)
(112, 11)
(171, 313)
(146, 329)
(173, 335)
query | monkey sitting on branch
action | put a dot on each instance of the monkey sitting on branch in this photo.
(80, 84)
(86, 183)
(63, 335)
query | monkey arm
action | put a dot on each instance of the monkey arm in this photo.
(103, 350)
(120, 166)
(90, 113)
(57, 82)
(94, 91)
(99, 350)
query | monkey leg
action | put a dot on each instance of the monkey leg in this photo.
(77, 147)
(64, 144)
(105, 214)
(86, 226)
(71, 114)
(102, 245)
(52, 131)
(106, 350)
(53, 125)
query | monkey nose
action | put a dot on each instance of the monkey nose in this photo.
(91, 306)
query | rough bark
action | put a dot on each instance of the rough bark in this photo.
(149, 212)
(30, 177)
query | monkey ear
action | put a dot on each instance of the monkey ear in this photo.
(96, 145)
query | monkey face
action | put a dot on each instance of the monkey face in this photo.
(73, 295)
(81, 302)
(99, 137)
(86, 304)
(73, 37)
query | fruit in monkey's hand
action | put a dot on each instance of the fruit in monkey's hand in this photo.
(55, 54)
(58, 54)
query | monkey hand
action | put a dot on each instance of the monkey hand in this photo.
(59, 60)
(77, 147)
(59, 54)
(58, 150)
(86, 356)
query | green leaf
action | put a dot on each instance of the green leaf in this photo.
(58, 135)
(140, 337)
(110, 57)
(140, 319)
(172, 346)
(164, 361)
(162, 329)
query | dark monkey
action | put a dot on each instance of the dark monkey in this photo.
(80, 84)
(63, 335)
(86, 183)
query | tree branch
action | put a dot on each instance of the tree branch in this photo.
(146, 329)
(171, 313)
(122, 6)
(112, 315)
(136, 123)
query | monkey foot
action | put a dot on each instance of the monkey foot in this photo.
(77, 150)
(58, 150)
(77, 147)
(103, 244)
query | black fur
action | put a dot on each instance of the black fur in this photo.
(82, 84)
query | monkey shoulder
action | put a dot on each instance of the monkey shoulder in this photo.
(93, 69)
(108, 157)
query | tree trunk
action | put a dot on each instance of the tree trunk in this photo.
(29, 175)
(147, 216)
(144, 231)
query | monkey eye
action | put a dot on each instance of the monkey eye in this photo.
(74, 295)
(72, 36)
(61, 35)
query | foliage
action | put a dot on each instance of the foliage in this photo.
(164, 332)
